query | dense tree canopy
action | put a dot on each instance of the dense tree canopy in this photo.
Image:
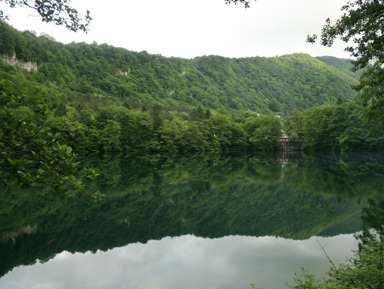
(362, 23)
(254, 85)
(83, 98)
(337, 127)
(30, 148)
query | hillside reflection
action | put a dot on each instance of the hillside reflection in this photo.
(151, 197)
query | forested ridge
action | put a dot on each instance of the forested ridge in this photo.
(258, 84)
(57, 100)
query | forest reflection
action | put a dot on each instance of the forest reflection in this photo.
(152, 197)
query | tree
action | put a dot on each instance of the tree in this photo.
(221, 124)
(59, 12)
(365, 269)
(293, 125)
(244, 2)
(263, 133)
(156, 114)
(110, 136)
(363, 24)
(197, 114)
(335, 127)
(30, 149)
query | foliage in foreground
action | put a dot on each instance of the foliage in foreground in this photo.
(59, 12)
(362, 22)
(365, 269)
(30, 149)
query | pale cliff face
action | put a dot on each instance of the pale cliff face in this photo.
(12, 60)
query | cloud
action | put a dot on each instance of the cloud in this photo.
(185, 262)
(193, 28)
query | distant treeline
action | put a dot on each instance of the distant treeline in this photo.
(118, 128)
(337, 127)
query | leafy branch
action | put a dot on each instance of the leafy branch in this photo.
(56, 11)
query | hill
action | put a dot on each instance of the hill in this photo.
(344, 65)
(91, 75)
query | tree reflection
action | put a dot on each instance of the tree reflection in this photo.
(351, 176)
(365, 269)
(152, 197)
(373, 222)
(371, 247)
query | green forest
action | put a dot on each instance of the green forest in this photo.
(172, 146)
(58, 101)
(89, 75)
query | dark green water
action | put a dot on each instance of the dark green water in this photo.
(201, 222)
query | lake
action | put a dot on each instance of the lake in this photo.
(189, 222)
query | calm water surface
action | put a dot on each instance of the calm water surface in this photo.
(203, 222)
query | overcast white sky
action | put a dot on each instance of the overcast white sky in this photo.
(190, 28)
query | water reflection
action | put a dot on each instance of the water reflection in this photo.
(185, 262)
(153, 198)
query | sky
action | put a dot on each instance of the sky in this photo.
(191, 28)
(186, 262)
